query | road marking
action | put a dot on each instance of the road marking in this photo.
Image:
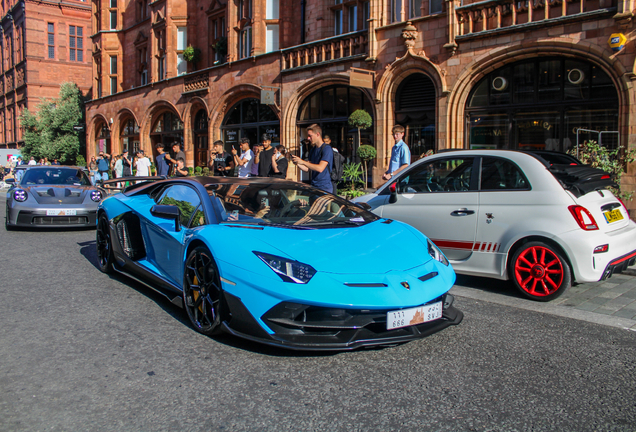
(530, 305)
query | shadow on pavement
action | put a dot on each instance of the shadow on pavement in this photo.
(89, 251)
(495, 286)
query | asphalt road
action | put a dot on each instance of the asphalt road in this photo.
(80, 350)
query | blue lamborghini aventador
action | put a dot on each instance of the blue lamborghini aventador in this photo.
(277, 262)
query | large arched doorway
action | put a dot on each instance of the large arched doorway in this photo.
(249, 119)
(201, 138)
(541, 104)
(415, 110)
(330, 108)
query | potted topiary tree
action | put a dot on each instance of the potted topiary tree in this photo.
(366, 153)
(360, 119)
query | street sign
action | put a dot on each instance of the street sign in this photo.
(268, 97)
(361, 78)
(78, 128)
(617, 41)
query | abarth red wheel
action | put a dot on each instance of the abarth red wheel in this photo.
(540, 272)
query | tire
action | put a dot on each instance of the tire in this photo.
(540, 272)
(104, 244)
(202, 291)
(6, 222)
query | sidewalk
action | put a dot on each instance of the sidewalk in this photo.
(611, 302)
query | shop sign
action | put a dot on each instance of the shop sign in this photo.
(231, 135)
(268, 97)
(617, 41)
(361, 78)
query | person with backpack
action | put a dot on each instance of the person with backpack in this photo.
(103, 166)
(338, 165)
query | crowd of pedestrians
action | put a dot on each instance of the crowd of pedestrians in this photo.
(323, 163)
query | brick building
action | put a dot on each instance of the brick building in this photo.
(43, 43)
(471, 74)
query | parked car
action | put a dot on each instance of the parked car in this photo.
(52, 196)
(277, 262)
(511, 215)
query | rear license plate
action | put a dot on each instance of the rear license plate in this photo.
(413, 316)
(613, 215)
(61, 212)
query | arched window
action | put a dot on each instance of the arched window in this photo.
(102, 140)
(130, 136)
(541, 104)
(250, 119)
(330, 108)
(415, 110)
(168, 128)
(201, 139)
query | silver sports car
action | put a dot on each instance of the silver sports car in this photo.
(53, 196)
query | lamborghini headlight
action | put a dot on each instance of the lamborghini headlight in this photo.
(436, 253)
(287, 269)
(20, 195)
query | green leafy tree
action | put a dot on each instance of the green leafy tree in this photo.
(360, 119)
(49, 132)
(613, 162)
(366, 153)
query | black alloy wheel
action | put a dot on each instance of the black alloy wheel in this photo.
(202, 291)
(104, 245)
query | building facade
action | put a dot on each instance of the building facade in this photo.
(472, 74)
(43, 43)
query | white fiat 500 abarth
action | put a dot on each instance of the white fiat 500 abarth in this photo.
(511, 215)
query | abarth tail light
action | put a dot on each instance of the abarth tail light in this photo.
(583, 217)
(601, 249)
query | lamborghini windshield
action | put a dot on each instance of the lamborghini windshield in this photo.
(292, 205)
(55, 176)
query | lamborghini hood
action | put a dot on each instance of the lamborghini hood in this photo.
(375, 248)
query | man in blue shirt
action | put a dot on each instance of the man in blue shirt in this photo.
(103, 165)
(162, 164)
(320, 160)
(400, 154)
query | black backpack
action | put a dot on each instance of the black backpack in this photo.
(336, 171)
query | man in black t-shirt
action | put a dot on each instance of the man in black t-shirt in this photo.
(264, 158)
(223, 162)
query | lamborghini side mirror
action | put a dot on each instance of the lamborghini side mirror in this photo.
(168, 212)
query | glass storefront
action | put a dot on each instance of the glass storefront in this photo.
(167, 129)
(250, 119)
(330, 108)
(544, 104)
(130, 136)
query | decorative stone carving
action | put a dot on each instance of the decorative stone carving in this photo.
(409, 34)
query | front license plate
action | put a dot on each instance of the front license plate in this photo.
(613, 215)
(413, 316)
(61, 212)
